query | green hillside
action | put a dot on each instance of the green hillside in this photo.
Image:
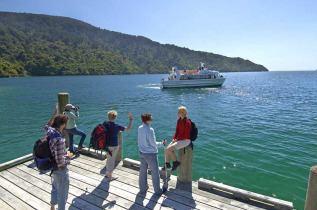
(36, 45)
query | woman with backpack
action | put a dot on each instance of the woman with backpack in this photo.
(113, 130)
(180, 140)
(60, 176)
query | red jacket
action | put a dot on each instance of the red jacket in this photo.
(182, 129)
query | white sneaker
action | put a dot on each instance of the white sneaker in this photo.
(113, 177)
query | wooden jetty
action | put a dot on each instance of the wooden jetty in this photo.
(24, 187)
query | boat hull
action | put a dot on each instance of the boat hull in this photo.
(193, 83)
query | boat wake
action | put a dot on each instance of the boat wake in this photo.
(150, 86)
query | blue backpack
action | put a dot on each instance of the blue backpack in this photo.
(42, 155)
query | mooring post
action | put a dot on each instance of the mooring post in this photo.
(311, 197)
(63, 99)
(185, 170)
(119, 156)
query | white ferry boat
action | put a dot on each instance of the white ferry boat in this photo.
(201, 77)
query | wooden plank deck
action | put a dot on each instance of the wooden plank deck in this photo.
(23, 187)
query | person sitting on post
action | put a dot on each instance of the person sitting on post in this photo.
(180, 140)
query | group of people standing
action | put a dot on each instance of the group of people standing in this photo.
(148, 152)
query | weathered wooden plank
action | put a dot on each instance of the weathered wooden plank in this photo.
(100, 197)
(14, 177)
(135, 163)
(124, 197)
(83, 168)
(15, 162)
(165, 208)
(199, 195)
(108, 192)
(4, 205)
(101, 164)
(166, 202)
(243, 194)
(207, 198)
(43, 192)
(12, 200)
(92, 160)
(85, 164)
(130, 162)
(91, 198)
(22, 194)
(92, 173)
(190, 202)
(103, 187)
(74, 196)
(97, 196)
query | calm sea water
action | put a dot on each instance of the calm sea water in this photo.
(257, 132)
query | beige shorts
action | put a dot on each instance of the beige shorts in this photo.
(111, 160)
(181, 144)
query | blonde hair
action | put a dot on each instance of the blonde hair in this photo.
(112, 115)
(183, 110)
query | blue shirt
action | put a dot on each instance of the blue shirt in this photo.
(147, 140)
(113, 131)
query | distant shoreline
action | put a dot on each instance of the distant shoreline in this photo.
(156, 73)
(115, 74)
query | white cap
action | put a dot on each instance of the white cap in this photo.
(69, 106)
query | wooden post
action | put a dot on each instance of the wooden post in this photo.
(311, 201)
(184, 171)
(63, 99)
(119, 156)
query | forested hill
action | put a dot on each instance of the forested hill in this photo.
(33, 45)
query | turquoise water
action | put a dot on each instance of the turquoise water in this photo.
(257, 132)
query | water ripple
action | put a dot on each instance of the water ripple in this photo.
(257, 132)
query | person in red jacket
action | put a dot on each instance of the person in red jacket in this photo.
(180, 140)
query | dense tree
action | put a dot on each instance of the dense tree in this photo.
(48, 45)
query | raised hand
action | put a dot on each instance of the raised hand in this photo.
(130, 116)
(56, 109)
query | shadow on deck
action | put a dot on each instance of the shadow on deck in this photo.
(23, 187)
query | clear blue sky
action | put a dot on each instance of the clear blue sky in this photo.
(279, 34)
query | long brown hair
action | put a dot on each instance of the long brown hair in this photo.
(59, 121)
